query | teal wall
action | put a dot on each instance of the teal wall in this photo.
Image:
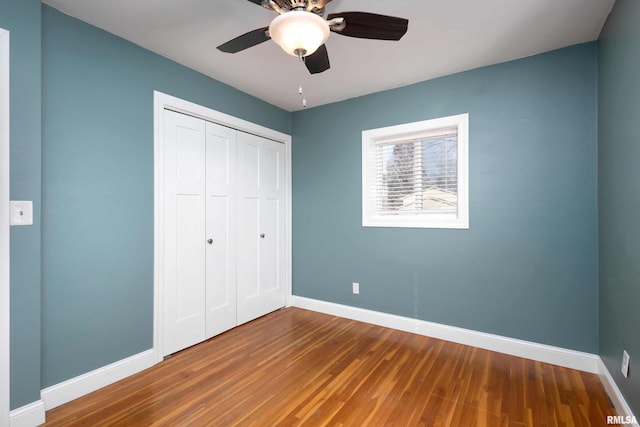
(22, 19)
(530, 256)
(618, 195)
(527, 267)
(97, 105)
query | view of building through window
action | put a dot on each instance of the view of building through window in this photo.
(418, 176)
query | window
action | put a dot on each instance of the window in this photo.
(416, 174)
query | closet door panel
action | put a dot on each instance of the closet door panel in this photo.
(269, 245)
(220, 229)
(219, 271)
(248, 166)
(272, 194)
(188, 251)
(248, 250)
(260, 227)
(271, 170)
(184, 293)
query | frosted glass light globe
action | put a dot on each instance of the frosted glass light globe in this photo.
(299, 33)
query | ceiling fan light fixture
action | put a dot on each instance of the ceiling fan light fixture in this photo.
(299, 33)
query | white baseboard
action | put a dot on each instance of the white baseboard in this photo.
(618, 400)
(541, 352)
(30, 415)
(69, 390)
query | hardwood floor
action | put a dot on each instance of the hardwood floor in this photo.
(297, 367)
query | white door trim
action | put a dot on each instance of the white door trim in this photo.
(4, 229)
(162, 101)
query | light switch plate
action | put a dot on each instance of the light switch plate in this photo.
(21, 212)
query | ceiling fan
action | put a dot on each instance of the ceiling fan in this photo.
(301, 31)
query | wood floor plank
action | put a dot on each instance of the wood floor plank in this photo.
(296, 367)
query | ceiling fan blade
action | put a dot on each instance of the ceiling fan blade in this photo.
(371, 26)
(258, 2)
(320, 4)
(318, 61)
(245, 41)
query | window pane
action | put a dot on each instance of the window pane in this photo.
(417, 177)
(440, 174)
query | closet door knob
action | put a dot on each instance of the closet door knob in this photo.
(262, 235)
(210, 241)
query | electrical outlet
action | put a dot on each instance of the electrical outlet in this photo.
(625, 363)
(356, 288)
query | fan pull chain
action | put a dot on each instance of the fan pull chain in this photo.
(301, 92)
(300, 89)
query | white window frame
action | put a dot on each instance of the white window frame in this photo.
(407, 132)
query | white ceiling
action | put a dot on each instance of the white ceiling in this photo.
(444, 37)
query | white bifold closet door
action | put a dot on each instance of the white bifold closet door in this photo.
(260, 226)
(220, 213)
(224, 229)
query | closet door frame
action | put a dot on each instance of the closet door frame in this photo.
(162, 101)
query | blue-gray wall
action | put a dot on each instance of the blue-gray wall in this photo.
(530, 258)
(22, 19)
(619, 195)
(527, 267)
(97, 244)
